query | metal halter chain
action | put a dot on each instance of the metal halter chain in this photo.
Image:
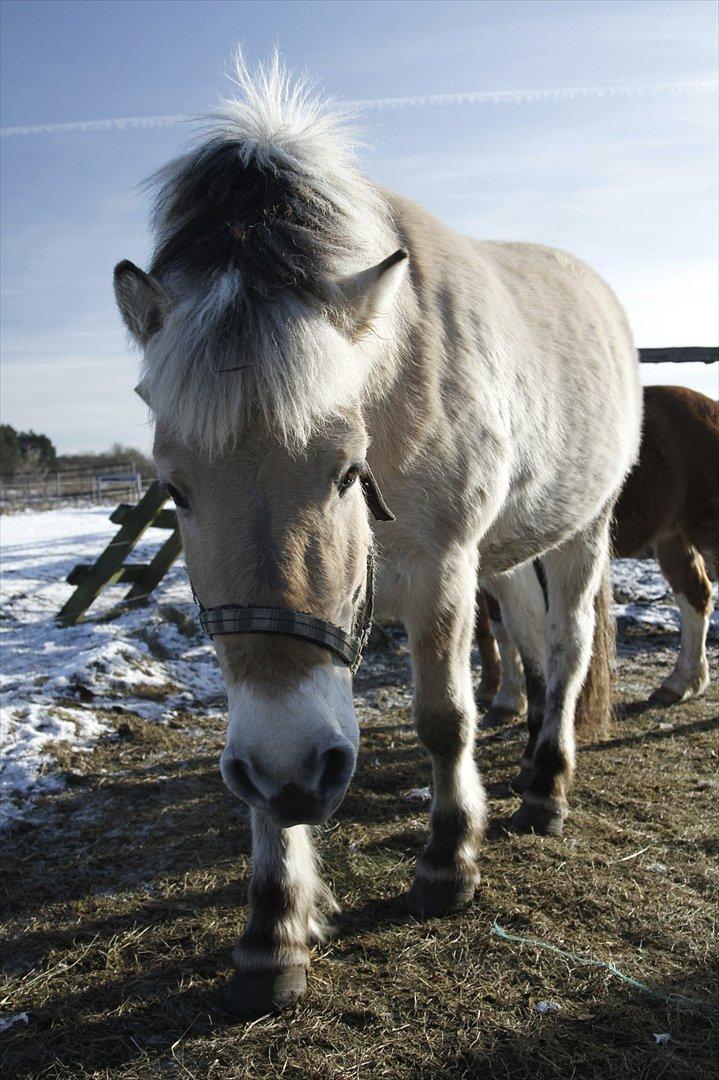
(235, 619)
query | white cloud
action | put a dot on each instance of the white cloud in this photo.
(470, 97)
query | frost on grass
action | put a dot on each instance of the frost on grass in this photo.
(59, 684)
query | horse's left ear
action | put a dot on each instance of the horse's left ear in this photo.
(370, 293)
(141, 300)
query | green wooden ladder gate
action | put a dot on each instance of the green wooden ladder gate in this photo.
(110, 568)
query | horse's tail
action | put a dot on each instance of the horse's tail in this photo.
(594, 709)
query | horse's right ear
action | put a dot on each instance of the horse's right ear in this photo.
(141, 300)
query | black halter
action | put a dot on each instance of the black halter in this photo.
(236, 619)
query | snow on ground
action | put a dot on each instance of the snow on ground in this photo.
(643, 597)
(59, 683)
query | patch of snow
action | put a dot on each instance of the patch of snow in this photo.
(19, 1018)
(422, 794)
(57, 683)
(643, 597)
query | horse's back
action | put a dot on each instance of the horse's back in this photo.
(674, 483)
(532, 345)
(538, 315)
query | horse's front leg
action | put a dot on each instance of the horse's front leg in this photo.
(287, 899)
(439, 617)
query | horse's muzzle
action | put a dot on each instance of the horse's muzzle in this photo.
(308, 799)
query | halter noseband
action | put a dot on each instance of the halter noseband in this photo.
(236, 619)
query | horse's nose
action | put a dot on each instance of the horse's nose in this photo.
(308, 798)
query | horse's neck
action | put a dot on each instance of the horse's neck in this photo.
(428, 350)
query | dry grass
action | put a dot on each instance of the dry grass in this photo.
(124, 900)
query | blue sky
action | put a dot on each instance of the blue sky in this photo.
(628, 182)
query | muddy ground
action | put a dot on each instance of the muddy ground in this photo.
(124, 895)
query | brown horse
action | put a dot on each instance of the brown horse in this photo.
(668, 507)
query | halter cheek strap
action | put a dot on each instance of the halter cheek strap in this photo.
(236, 619)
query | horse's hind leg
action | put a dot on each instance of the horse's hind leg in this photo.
(438, 609)
(574, 573)
(488, 648)
(286, 901)
(684, 569)
(502, 684)
(523, 619)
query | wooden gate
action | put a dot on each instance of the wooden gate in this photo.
(110, 568)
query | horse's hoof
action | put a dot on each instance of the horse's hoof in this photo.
(499, 715)
(257, 993)
(520, 782)
(664, 696)
(485, 696)
(430, 899)
(537, 819)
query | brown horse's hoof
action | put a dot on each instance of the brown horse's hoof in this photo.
(520, 783)
(430, 899)
(537, 819)
(256, 993)
(663, 696)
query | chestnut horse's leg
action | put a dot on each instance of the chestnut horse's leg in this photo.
(684, 569)
(574, 573)
(286, 899)
(438, 609)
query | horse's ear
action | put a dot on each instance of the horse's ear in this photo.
(141, 300)
(370, 293)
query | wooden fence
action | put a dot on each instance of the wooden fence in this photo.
(681, 354)
(111, 566)
(120, 480)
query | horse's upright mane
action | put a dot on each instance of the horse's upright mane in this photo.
(254, 228)
(271, 191)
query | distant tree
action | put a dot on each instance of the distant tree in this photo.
(10, 453)
(37, 450)
(142, 462)
(103, 459)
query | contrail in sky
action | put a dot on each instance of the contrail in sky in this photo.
(469, 97)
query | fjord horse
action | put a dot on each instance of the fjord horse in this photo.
(309, 342)
(668, 509)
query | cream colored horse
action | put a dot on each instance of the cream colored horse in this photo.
(494, 390)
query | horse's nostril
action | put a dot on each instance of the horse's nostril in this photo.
(337, 765)
(237, 778)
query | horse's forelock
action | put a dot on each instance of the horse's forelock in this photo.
(254, 227)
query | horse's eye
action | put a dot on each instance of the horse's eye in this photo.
(177, 497)
(348, 479)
